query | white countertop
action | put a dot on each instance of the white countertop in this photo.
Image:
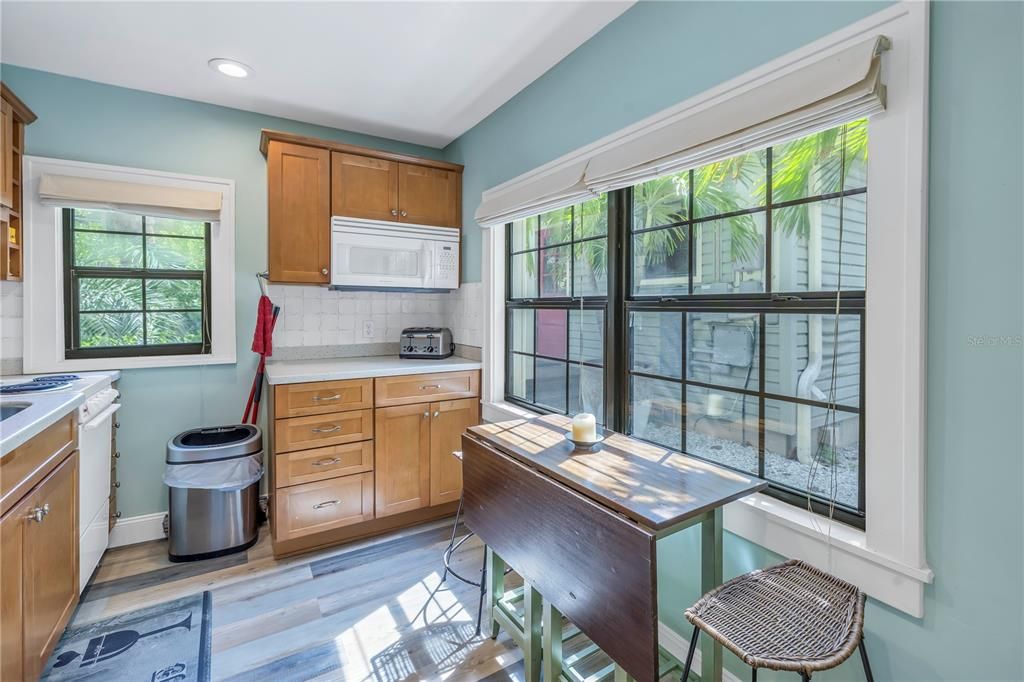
(41, 411)
(298, 371)
(45, 409)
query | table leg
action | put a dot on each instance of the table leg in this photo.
(711, 577)
(532, 648)
(551, 640)
(495, 587)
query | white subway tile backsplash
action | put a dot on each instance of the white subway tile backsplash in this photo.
(318, 316)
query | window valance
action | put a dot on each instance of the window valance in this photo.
(154, 200)
(806, 96)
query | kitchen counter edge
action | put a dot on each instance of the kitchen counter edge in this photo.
(302, 371)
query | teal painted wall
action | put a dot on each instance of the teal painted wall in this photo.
(657, 54)
(88, 121)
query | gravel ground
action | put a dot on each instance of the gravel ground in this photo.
(776, 467)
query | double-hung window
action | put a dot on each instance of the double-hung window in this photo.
(135, 285)
(731, 326)
(557, 301)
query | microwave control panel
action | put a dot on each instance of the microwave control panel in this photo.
(447, 266)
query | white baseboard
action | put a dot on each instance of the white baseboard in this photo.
(676, 646)
(135, 529)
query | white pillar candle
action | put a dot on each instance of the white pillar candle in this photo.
(584, 428)
(716, 405)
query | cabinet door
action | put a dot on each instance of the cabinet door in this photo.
(429, 196)
(50, 563)
(448, 420)
(6, 154)
(363, 187)
(12, 659)
(402, 464)
(298, 213)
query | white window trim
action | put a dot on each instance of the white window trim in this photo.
(44, 286)
(887, 559)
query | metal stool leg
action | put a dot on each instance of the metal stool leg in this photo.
(753, 675)
(451, 543)
(864, 659)
(805, 677)
(689, 653)
(483, 591)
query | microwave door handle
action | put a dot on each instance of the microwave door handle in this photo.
(428, 265)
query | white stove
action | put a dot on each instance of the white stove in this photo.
(95, 425)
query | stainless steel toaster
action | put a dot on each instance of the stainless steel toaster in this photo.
(428, 343)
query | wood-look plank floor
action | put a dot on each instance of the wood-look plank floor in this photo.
(364, 611)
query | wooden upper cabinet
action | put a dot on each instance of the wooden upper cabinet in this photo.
(429, 196)
(299, 213)
(7, 155)
(364, 187)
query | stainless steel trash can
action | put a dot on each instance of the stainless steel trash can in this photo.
(213, 477)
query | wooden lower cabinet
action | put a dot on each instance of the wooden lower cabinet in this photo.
(402, 458)
(448, 421)
(39, 571)
(382, 460)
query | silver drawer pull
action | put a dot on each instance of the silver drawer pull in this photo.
(331, 429)
(424, 388)
(437, 414)
(328, 503)
(336, 396)
(327, 462)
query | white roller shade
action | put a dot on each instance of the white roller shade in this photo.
(154, 200)
(544, 193)
(821, 94)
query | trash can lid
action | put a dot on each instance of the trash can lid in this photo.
(214, 443)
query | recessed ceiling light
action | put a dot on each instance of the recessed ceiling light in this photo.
(229, 67)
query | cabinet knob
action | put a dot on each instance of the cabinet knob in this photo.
(394, 211)
(404, 214)
(437, 414)
(117, 455)
(117, 425)
(39, 513)
(426, 415)
(117, 484)
(323, 271)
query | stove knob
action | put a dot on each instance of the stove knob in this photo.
(430, 349)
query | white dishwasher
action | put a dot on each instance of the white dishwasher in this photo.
(95, 422)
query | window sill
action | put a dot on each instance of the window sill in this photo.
(138, 362)
(795, 532)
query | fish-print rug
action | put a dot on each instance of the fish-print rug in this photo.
(168, 642)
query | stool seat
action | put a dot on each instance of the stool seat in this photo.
(789, 617)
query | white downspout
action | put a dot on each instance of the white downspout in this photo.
(805, 384)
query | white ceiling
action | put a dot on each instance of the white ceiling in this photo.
(422, 72)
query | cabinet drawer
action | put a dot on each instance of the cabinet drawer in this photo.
(306, 466)
(424, 388)
(316, 507)
(322, 397)
(303, 433)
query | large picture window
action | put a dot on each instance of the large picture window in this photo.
(135, 285)
(733, 314)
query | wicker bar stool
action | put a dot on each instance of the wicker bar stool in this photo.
(789, 617)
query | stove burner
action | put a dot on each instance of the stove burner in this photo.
(40, 384)
(53, 378)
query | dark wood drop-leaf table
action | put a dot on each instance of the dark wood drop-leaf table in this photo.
(581, 529)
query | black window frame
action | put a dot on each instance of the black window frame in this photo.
(73, 274)
(571, 304)
(621, 302)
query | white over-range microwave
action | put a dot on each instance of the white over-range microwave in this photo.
(375, 254)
